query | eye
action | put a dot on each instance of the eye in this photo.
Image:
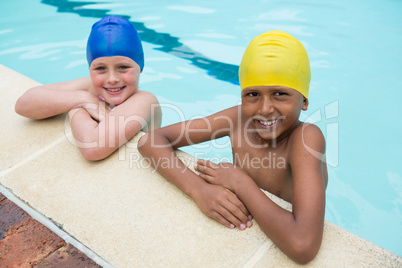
(123, 67)
(279, 93)
(100, 68)
(253, 94)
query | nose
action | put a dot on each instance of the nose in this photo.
(266, 106)
(112, 78)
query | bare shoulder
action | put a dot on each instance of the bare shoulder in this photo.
(139, 100)
(144, 105)
(308, 137)
(307, 153)
(145, 95)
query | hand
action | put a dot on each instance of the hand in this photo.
(95, 106)
(223, 206)
(224, 174)
(97, 111)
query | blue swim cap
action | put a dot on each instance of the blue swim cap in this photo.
(114, 36)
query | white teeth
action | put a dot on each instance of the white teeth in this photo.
(268, 123)
(114, 89)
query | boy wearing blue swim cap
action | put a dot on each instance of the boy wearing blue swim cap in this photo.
(105, 109)
(272, 150)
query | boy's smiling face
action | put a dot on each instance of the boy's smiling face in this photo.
(115, 78)
(272, 111)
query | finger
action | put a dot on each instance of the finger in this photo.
(237, 213)
(206, 170)
(239, 204)
(206, 177)
(102, 113)
(201, 168)
(218, 217)
(206, 163)
(92, 113)
(226, 211)
(226, 165)
(101, 117)
(240, 210)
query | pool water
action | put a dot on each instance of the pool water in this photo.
(192, 53)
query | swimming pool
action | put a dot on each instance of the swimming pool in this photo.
(192, 55)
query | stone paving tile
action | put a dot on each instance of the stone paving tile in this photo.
(22, 137)
(28, 245)
(11, 217)
(67, 256)
(25, 242)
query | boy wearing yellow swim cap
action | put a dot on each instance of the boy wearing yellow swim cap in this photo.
(271, 151)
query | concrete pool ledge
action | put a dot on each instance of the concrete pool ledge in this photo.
(128, 215)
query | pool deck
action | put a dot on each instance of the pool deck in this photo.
(119, 212)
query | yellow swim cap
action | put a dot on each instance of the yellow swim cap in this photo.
(275, 58)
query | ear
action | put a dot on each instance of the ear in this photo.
(305, 104)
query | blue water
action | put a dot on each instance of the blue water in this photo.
(192, 55)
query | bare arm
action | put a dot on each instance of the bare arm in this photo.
(53, 99)
(298, 233)
(215, 201)
(97, 140)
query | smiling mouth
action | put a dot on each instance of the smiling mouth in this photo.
(115, 89)
(267, 123)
